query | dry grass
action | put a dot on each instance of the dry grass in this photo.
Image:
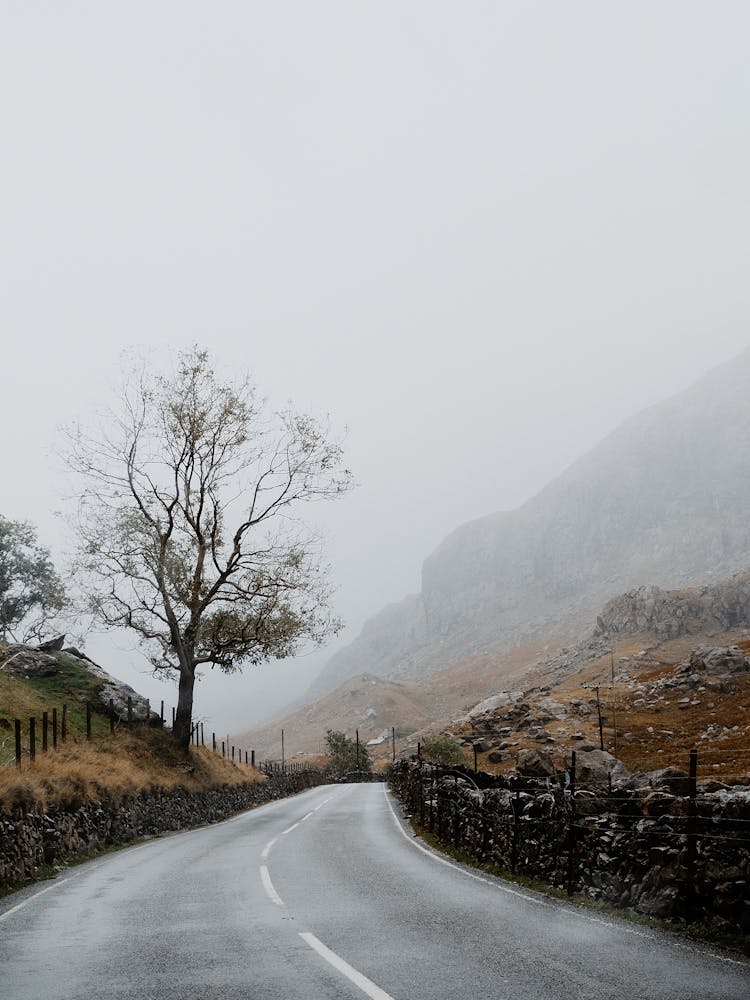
(650, 736)
(113, 767)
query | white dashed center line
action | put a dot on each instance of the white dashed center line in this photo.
(362, 982)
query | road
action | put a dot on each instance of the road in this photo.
(327, 895)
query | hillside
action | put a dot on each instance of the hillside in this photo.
(112, 764)
(663, 500)
(661, 691)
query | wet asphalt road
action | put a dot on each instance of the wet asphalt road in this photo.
(326, 895)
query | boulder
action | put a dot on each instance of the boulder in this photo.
(719, 661)
(52, 645)
(536, 763)
(496, 701)
(21, 661)
(595, 769)
(675, 780)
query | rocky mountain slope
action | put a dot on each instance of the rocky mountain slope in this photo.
(661, 501)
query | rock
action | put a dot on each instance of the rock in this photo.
(498, 756)
(719, 661)
(554, 709)
(21, 661)
(496, 701)
(595, 768)
(671, 778)
(537, 763)
(52, 645)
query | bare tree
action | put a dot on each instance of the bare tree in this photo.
(188, 527)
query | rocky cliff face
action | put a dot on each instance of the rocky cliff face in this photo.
(663, 501)
(668, 614)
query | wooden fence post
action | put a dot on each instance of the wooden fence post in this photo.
(690, 894)
(572, 825)
(253, 758)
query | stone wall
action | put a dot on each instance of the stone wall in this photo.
(29, 841)
(662, 854)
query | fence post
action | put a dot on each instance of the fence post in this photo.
(203, 741)
(161, 712)
(223, 750)
(516, 807)
(421, 798)
(88, 720)
(54, 729)
(173, 716)
(692, 837)
(45, 728)
(572, 824)
(32, 738)
(213, 741)
(64, 726)
(252, 756)
(233, 753)
(17, 727)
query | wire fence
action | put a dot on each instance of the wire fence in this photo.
(674, 850)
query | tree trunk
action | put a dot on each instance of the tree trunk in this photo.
(184, 715)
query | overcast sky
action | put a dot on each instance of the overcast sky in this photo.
(479, 235)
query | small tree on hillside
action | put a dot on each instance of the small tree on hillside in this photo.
(343, 754)
(442, 750)
(31, 592)
(187, 525)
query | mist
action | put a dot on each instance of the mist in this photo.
(479, 237)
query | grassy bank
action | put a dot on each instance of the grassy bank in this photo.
(113, 766)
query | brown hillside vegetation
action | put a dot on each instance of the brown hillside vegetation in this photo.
(112, 767)
(109, 766)
(651, 719)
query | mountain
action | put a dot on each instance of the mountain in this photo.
(663, 500)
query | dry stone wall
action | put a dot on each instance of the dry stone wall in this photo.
(648, 849)
(29, 841)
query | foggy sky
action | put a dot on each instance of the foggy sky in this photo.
(478, 235)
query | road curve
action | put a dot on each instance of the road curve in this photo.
(327, 895)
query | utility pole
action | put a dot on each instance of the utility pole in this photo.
(598, 713)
